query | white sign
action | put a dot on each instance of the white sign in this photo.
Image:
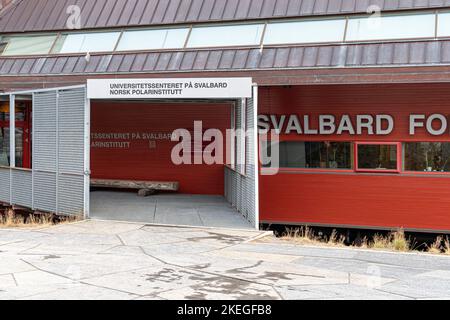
(195, 88)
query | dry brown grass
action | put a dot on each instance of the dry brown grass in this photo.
(9, 219)
(436, 246)
(395, 241)
(447, 246)
(306, 236)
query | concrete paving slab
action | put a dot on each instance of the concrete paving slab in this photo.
(112, 260)
(168, 209)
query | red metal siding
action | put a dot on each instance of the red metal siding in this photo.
(358, 199)
(142, 162)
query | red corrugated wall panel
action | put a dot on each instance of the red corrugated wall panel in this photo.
(141, 161)
(351, 199)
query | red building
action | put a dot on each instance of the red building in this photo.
(357, 91)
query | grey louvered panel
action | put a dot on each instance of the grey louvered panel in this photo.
(44, 157)
(250, 185)
(71, 105)
(70, 194)
(240, 189)
(44, 191)
(22, 185)
(5, 187)
(44, 134)
(44, 111)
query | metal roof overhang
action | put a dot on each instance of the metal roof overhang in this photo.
(51, 15)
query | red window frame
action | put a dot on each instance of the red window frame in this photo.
(399, 157)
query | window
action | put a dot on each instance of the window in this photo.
(231, 35)
(87, 42)
(444, 25)
(382, 157)
(310, 155)
(25, 45)
(4, 134)
(391, 27)
(427, 156)
(23, 145)
(153, 39)
(313, 31)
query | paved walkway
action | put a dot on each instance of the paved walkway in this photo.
(169, 209)
(107, 260)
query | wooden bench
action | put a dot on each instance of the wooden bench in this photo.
(146, 188)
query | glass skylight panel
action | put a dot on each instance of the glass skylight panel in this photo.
(310, 31)
(27, 45)
(90, 42)
(153, 39)
(444, 25)
(392, 27)
(223, 36)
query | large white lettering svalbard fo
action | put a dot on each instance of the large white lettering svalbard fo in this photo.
(380, 125)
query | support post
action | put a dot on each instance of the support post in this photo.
(87, 155)
(12, 131)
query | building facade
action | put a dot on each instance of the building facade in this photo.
(341, 107)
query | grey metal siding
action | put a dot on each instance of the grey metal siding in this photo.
(22, 182)
(5, 187)
(44, 191)
(58, 160)
(44, 131)
(71, 105)
(240, 190)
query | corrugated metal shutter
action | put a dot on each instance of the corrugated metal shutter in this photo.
(241, 189)
(5, 187)
(22, 182)
(44, 191)
(58, 161)
(44, 131)
(71, 105)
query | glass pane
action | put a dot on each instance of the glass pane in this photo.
(377, 157)
(392, 27)
(90, 42)
(21, 108)
(444, 24)
(427, 156)
(315, 155)
(233, 35)
(153, 39)
(305, 32)
(21, 111)
(19, 147)
(4, 111)
(28, 45)
(4, 146)
(2, 47)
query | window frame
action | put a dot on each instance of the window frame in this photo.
(393, 39)
(265, 138)
(399, 157)
(421, 173)
(194, 27)
(65, 35)
(269, 22)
